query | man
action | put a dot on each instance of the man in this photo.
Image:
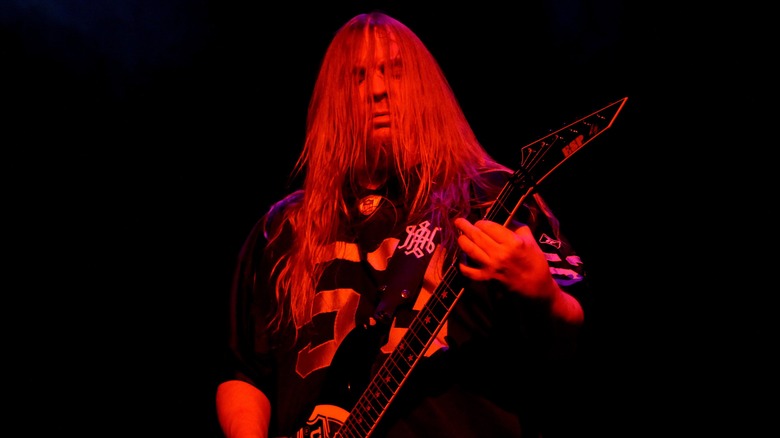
(394, 176)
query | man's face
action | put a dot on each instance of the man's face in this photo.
(374, 86)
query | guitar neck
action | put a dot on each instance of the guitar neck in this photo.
(371, 406)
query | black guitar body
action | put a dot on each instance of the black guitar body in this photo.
(347, 378)
(350, 370)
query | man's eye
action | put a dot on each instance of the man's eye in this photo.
(395, 69)
(360, 75)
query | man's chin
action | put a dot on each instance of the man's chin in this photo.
(381, 136)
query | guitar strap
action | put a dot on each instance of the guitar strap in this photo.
(406, 269)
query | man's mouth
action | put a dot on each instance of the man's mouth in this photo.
(381, 120)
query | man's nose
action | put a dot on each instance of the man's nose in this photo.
(378, 86)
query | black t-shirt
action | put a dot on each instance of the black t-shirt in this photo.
(479, 376)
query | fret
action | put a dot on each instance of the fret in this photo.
(366, 409)
(375, 405)
(499, 205)
(426, 320)
(402, 358)
(414, 340)
(363, 417)
(355, 427)
(389, 371)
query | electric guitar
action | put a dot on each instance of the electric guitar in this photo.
(349, 382)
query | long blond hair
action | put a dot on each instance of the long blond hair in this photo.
(444, 159)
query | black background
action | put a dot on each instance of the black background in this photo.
(144, 138)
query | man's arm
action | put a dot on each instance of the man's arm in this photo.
(243, 410)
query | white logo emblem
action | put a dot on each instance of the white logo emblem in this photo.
(419, 238)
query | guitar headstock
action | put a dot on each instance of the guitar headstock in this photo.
(541, 157)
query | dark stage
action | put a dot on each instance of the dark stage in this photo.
(144, 138)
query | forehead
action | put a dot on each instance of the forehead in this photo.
(379, 44)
